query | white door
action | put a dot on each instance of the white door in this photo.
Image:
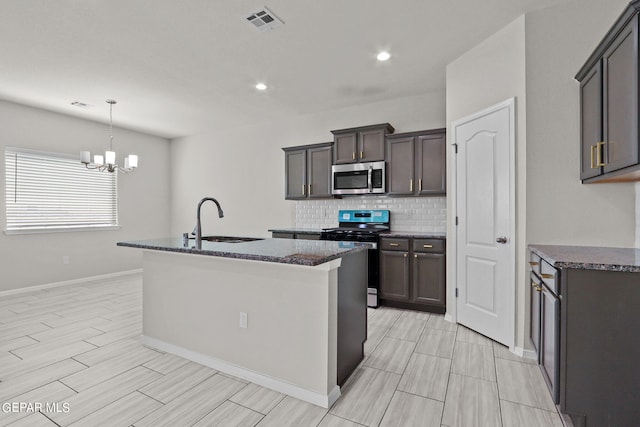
(485, 179)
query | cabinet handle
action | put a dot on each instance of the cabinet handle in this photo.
(361, 155)
(415, 255)
(599, 150)
(533, 263)
(411, 185)
(420, 185)
(353, 157)
(405, 255)
(427, 246)
(303, 190)
(547, 276)
(309, 192)
(394, 244)
(536, 286)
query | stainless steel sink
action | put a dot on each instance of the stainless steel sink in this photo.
(229, 239)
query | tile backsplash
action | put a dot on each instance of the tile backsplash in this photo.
(417, 214)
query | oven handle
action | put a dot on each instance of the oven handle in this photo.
(369, 179)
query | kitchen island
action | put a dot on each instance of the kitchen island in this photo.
(289, 315)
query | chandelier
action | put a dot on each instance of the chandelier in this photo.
(108, 161)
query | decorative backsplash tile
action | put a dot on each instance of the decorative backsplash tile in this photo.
(418, 214)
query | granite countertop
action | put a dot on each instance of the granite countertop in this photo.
(295, 230)
(284, 251)
(416, 234)
(590, 257)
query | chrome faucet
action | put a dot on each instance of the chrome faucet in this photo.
(198, 228)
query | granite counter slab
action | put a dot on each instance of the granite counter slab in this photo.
(284, 251)
(295, 230)
(415, 234)
(590, 257)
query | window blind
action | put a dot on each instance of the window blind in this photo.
(56, 191)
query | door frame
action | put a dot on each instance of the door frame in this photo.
(452, 252)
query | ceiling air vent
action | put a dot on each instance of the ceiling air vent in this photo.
(264, 20)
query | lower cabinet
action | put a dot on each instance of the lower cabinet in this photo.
(412, 273)
(544, 329)
(584, 327)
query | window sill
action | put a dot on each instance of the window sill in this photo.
(48, 230)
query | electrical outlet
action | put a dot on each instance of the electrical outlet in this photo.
(65, 259)
(244, 319)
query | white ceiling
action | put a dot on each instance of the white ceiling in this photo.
(179, 67)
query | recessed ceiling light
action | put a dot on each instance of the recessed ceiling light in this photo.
(261, 86)
(383, 56)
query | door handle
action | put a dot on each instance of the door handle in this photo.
(599, 152)
(502, 240)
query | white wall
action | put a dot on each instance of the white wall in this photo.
(244, 168)
(561, 210)
(490, 73)
(34, 259)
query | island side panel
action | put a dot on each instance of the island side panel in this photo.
(352, 313)
(194, 302)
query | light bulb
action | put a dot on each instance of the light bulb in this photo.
(110, 157)
(85, 157)
(383, 56)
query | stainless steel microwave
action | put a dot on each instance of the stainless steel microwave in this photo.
(358, 178)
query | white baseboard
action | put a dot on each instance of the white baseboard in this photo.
(319, 399)
(527, 354)
(448, 318)
(71, 282)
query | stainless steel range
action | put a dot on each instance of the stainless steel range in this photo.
(363, 226)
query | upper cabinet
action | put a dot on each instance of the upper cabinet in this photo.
(609, 105)
(308, 171)
(361, 144)
(416, 163)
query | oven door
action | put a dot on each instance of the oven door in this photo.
(358, 178)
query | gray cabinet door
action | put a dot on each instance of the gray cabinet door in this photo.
(534, 310)
(550, 341)
(371, 145)
(620, 101)
(591, 123)
(394, 275)
(430, 165)
(400, 167)
(429, 279)
(319, 172)
(295, 173)
(345, 148)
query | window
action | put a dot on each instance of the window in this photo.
(50, 191)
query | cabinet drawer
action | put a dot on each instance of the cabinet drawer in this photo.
(390, 244)
(549, 276)
(534, 262)
(428, 245)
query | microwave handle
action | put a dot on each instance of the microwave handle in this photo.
(369, 179)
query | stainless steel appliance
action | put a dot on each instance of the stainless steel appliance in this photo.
(358, 178)
(363, 226)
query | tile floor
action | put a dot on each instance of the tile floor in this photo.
(77, 346)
